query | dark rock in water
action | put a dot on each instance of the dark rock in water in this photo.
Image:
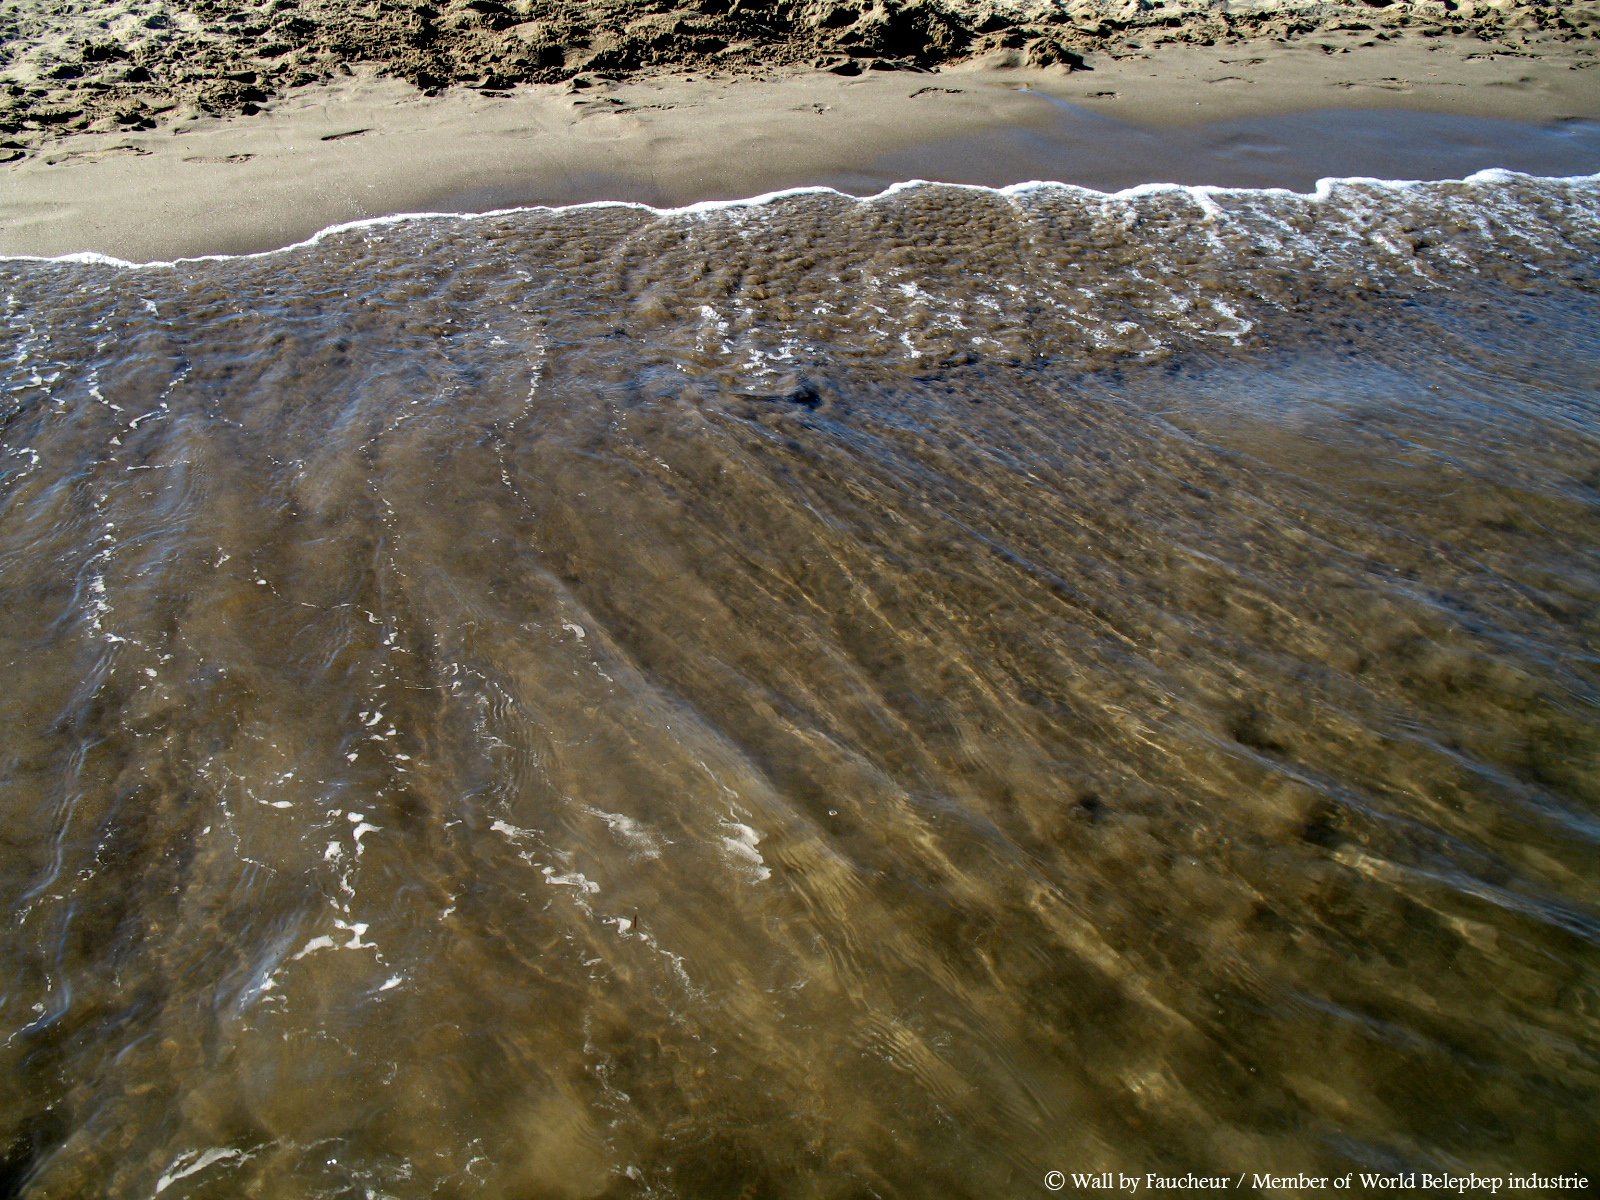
(798, 390)
(1090, 806)
(805, 394)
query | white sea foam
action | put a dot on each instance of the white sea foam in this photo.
(320, 942)
(571, 879)
(191, 1162)
(1323, 192)
(636, 836)
(741, 846)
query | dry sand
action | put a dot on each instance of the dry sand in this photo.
(715, 100)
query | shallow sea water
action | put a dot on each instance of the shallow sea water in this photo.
(815, 698)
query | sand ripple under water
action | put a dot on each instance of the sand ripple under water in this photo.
(822, 698)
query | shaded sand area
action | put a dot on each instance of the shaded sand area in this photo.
(145, 130)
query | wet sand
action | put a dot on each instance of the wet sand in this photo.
(370, 144)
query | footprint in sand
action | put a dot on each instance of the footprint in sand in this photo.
(93, 155)
(1387, 85)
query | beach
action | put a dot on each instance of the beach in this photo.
(340, 130)
(647, 601)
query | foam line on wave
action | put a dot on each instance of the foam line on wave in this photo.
(1319, 194)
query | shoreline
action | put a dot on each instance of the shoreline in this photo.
(1261, 114)
(1318, 192)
